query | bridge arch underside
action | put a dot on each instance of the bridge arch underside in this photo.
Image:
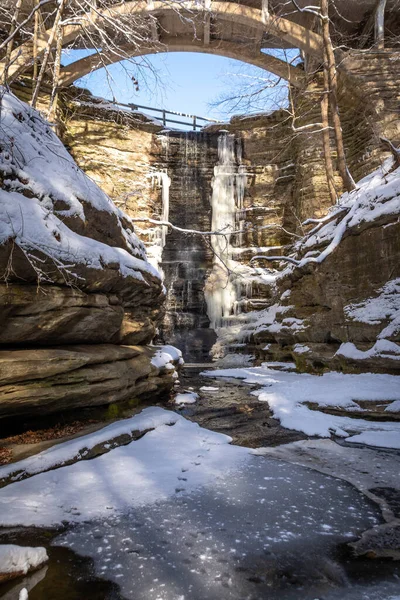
(233, 50)
(225, 28)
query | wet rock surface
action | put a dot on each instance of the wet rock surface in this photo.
(231, 409)
(392, 497)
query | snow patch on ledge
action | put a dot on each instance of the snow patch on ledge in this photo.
(166, 356)
(77, 448)
(376, 196)
(301, 349)
(381, 349)
(20, 559)
(383, 307)
(186, 398)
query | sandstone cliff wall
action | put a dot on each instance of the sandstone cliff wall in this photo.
(78, 298)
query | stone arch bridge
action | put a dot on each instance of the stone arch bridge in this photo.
(240, 29)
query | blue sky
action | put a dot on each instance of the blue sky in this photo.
(184, 82)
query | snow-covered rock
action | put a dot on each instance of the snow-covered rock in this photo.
(337, 304)
(56, 224)
(176, 457)
(74, 275)
(186, 398)
(20, 560)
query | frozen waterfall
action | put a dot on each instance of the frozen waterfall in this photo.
(159, 234)
(227, 199)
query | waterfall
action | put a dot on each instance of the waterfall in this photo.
(159, 234)
(228, 189)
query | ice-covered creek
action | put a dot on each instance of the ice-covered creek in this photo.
(265, 530)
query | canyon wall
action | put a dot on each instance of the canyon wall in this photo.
(281, 161)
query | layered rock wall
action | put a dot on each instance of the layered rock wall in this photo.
(338, 307)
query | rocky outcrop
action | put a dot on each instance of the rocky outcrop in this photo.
(65, 315)
(76, 283)
(338, 306)
(54, 379)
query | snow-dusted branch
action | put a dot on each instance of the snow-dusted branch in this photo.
(395, 152)
(288, 259)
(222, 232)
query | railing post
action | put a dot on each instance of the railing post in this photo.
(164, 118)
(194, 124)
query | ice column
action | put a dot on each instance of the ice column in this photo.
(159, 234)
(227, 198)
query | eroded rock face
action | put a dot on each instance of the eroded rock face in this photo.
(314, 322)
(48, 380)
(55, 315)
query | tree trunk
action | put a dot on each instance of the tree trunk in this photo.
(10, 44)
(37, 24)
(330, 176)
(56, 72)
(330, 65)
(46, 54)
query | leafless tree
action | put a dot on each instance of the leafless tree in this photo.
(102, 29)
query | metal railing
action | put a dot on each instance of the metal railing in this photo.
(164, 119)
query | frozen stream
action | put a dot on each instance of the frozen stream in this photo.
(268, 530)
(181, 514)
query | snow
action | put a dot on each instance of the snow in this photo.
(209, 388)
(265, 320)
(77, 448)
(186, 398)
(288, 393)
(384, 307)
(171, 459)
(376, 196)
(23, 595)
(34, 161)
(281, 366)
(235, 360)
(301, 349)
(20, 559)
(35, 228)
(381, 439)
(381, 348)
(165, 356)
